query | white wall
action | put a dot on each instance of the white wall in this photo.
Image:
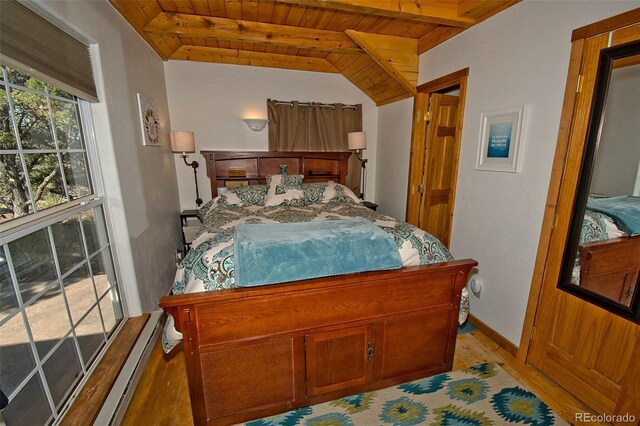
(211, 99)
(140, 181)
(518, 57)
(394, 144)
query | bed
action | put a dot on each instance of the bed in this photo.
(256, 351)
(608, 261)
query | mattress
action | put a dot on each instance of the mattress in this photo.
(210, 264)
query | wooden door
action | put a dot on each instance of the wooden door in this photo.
(339, 359)
(441, 159)
(435, 151)
(586, 349)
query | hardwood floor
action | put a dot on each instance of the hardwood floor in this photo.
(162, 395)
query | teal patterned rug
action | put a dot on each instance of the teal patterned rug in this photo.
(481, 395)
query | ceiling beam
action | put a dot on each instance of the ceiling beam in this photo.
(250, 31)
(257, 59)
(138, 16)
(477, 9)
(429, 11)
(398, 56)
(483, 9)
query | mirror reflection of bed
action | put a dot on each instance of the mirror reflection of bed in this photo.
(608, 261)
(608, 258)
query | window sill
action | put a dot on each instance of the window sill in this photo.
(89, 402)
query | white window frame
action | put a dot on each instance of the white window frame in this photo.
(25, 225)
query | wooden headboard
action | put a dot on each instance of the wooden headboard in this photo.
(236, 168)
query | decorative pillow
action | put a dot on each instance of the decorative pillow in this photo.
(251, 195)
(284, 189)
(339, 193)
(314, 192)
(202, 211)
(324, 192)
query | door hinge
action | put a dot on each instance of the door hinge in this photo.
(420, 189)
(370, 351)
(533, 333)
(427, 116)
(579, 85)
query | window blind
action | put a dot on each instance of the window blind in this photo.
(33, 44)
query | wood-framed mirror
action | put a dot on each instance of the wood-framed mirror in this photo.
(601, 260)
(586, 342)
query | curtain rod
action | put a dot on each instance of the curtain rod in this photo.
(314, 104)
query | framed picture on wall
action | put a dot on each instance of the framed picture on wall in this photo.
(149, 121)
(499, 146)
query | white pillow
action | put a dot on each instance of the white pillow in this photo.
(284, 189)
(231, 198)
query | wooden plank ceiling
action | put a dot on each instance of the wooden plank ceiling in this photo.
(374, 43)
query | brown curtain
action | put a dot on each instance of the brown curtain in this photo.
(308, 126)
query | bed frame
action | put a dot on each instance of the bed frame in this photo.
(255, 352)
(611, 268)
(236, 168)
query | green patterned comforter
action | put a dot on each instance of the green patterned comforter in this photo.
(209, 264)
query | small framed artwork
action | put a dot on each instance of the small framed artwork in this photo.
(149, 121)
(500, 139)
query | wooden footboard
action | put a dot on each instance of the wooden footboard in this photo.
(254, 352)
(611, 268)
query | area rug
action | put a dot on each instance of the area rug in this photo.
(481, 395)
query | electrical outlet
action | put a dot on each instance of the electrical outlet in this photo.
(476, 287)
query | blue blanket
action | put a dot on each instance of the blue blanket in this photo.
(624, 210)
(283, 252)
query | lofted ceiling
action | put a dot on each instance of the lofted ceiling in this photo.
(375, 44)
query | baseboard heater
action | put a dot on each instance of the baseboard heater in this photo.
(117, 401)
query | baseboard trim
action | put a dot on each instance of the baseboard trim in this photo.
(503, 342)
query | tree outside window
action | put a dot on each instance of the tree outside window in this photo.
(42, 156)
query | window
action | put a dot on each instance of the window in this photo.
(59, 297)
(43, 160)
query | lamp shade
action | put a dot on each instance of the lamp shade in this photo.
(182, 142)
(357, 140)
(256, 124)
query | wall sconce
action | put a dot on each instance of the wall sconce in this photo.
(184, 142)
(256, 124)
(357, 143)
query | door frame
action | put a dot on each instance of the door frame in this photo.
(419, 132)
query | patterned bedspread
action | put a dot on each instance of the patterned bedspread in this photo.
(598, 227)
(209, 265)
